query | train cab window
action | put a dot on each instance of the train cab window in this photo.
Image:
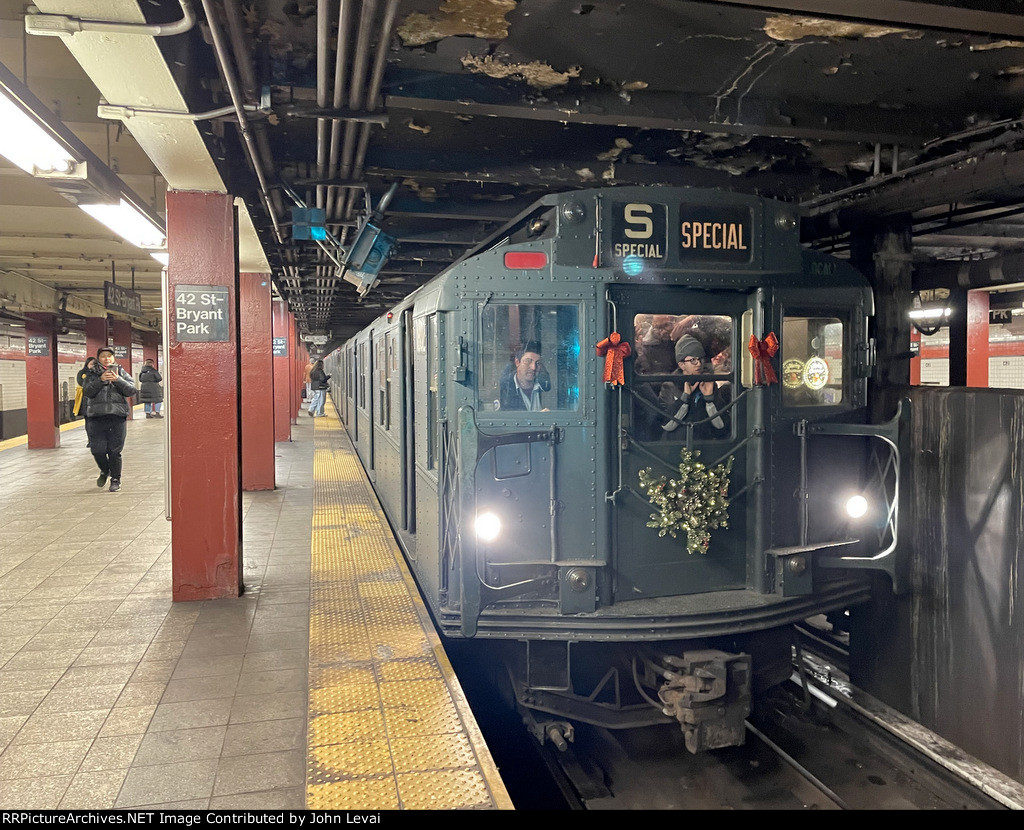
(812, 361)
(682, 344)
(529, 357)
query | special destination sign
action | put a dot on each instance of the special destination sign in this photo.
(714, 234)
(639, 235)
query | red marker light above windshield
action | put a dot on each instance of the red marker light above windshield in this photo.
(531, 260)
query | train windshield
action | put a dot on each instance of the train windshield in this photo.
(812, 361)
(682, 345)
(529, 357)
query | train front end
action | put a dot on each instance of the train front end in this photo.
(658, 455)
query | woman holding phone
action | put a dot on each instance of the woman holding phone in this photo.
(107, 389)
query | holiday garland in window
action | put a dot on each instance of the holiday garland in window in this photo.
(695, 503)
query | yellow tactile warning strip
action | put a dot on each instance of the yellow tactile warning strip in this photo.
(389, 726)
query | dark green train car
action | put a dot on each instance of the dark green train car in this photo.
(616, 359)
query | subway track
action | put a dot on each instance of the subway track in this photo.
(815, 743)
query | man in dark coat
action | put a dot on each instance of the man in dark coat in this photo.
(108, 390)
(151, 393)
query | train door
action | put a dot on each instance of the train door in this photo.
(675, 332)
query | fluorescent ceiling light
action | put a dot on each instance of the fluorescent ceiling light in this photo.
(128, 222)
(28, 144)
(930, 313)
(161, 256)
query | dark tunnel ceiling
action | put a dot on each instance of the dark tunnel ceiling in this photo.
(484, 105)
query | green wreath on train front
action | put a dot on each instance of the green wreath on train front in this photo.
(695, 503)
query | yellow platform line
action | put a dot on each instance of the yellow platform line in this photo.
(389, 724)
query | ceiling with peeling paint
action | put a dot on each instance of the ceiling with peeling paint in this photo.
(453, 115)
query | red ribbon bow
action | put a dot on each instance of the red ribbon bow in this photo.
(613, 350)
(763, 351)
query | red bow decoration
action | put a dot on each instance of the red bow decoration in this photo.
(613, 349)
(763, 351)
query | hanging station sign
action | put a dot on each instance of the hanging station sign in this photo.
(116, 298)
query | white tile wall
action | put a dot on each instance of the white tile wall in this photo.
(1006, 372)
(12, 379)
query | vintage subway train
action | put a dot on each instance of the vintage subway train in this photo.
(561, 492)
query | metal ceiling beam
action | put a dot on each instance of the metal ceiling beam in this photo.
(995, 176)
(683, 113)
(900, 12)
(28, 295)
(985, 273)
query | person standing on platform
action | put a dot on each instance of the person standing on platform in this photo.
(305, 379)
(151, 393)
(318, 381)
(108, 390)
(79, 407)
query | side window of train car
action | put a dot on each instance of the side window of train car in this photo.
(681, 345)
(812, 361)
(390, 371)
(433, 389)
(380, 364)
(529, 356)
(361, 350)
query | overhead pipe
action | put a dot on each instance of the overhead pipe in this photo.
(357, 97)
(57, 25)
(340, 79)
(243, 63)
(243, 121)
(376, 80)
(323, 26)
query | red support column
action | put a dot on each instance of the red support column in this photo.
(293, 389)
(977, 338)
(121, 340)
(256, 325)
(150, 343)
(41, 381)
(282, 374)
(915, 362)
(95, 335)
(202, 369)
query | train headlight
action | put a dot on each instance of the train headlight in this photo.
(488, 526)
(856, 507)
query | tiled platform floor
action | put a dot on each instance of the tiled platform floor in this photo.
(110, 694)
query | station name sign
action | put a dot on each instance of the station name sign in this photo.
(38, 346)
(116, 298)
(640, 235)
(201, 313)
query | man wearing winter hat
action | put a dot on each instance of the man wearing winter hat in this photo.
(698, 403)
(107, 390)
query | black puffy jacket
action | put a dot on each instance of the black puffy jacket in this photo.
(103, 398)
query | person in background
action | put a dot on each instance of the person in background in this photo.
(318, 381)
(79, 407)
(108, 390)
(151, 393)
(305, 379)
